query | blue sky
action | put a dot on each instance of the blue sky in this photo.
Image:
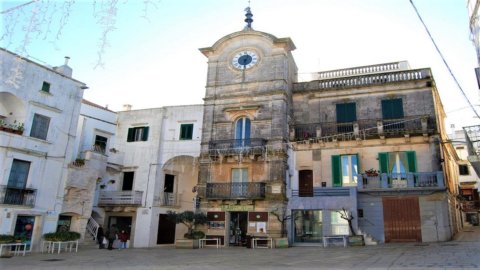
(153, 60)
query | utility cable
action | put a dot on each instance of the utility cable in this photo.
(443, 59)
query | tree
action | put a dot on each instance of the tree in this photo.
(282, 217)
(189, 219)
(345, 214)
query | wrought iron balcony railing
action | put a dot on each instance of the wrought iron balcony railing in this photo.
(247, 191)
(402, 180)
(237, 146)
(170, 199)
(365, 128)
(16, 196)
(124, 198)
(324, 192)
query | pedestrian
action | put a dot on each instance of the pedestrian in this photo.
(112, 236)
(123, 237)
(100, 237)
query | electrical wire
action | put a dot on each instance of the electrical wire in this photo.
(444, 60)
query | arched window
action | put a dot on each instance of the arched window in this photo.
(242, 132)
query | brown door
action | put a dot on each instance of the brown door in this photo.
(166, 230)
(402, 220)
(305, 184)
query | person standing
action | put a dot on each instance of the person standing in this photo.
(123, 237)
(112, 235)
(100, 237)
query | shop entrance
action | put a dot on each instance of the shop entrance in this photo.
(238, 228)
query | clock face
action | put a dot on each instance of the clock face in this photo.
(244, 60)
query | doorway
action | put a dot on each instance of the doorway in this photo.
(128, 181)
(305, 183)
(166, 230)
(122, 223)
(238, 228)
(402, 220)
(24, 229)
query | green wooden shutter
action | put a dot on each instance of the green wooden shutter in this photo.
(346, 113)
(383, 162)
(412, 161)
(336, 171)
(130, 135)
(392, 108)
(145, 134)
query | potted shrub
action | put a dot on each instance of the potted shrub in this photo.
(61, 236)
(371, 172)
(190, 219)
(6, 238)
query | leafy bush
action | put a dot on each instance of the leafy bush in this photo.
(5, 238)
(189, 219)
(62, 236)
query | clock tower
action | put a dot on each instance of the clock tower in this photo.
(244, 150)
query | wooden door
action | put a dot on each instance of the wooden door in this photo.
(305, 183)
(166, 230)
(402, 220)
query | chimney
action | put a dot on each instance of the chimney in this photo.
(127, 107)
(64, 69)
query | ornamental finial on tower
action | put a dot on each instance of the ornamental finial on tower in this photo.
(249, 19)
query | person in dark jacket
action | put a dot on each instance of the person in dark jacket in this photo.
(111, 236)
(100, 237)
(123, 237)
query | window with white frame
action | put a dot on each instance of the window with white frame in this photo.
(137, 134)
(344, 170)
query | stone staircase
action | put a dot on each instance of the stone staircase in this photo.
(368, 239)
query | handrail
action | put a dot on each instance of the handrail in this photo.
(92, 227)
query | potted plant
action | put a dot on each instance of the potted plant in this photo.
(20, 238)
(6, 238)
(371, 172)
(190, 219)
(61, 236)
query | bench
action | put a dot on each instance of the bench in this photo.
(344, 238)
(265, 242)
(203, 242)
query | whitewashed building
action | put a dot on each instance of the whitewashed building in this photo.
(151, 168)
(39, 108)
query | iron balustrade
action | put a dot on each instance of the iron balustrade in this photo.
(128, 197)
(17, 196)
(401, 180)
(170, 199)
(324, 191)
(237, 146)
(365, 128)
(235, 190)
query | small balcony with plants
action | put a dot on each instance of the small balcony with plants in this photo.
(13, 127)
(374, 180)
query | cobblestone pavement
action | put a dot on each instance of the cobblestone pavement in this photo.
(461, 253)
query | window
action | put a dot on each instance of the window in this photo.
(338, 224)
(239, 182)
(128, 180)
(46, 87)
(40, 125)
(463, 169)
(186, 131)
(398, 163)
(242, 132)
(346, 115)
(392, 109)
(100, 143)
(344, 170)
(307, 226)
(137, 134)
(17, 181)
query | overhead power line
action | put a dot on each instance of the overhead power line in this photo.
(443, 59)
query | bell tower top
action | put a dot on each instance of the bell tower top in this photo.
(248, 18)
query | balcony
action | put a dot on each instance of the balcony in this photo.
(233, 191)
(324, 192)
(170, 199)
(365, 129)
(425, 180)
(255, 146)
(15, 196)
(120, 198)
